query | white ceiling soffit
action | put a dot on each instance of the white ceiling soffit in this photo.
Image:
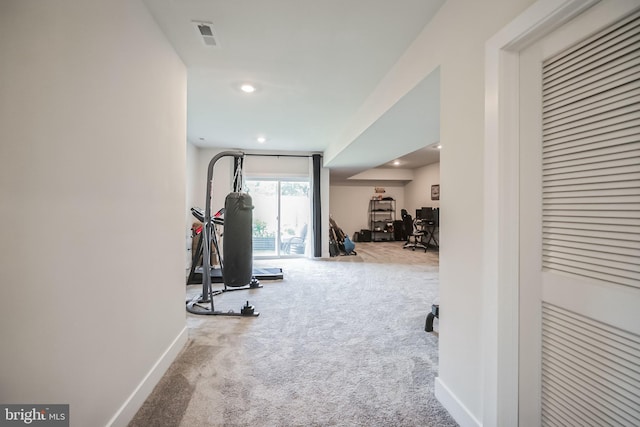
(314, 64)
(384, 174)
(400, 169)
(416, 159)
(409, 125)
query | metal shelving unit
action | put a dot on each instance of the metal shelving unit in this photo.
(382, 213)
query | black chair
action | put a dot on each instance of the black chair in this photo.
(407, 224)
(413, 230)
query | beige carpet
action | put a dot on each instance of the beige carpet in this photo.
(339, 342)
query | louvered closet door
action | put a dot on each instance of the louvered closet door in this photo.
(580, 222)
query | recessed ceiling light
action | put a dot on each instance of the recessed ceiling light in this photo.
(261, 139)
(396, 162)
(247, 88)
(438, 146)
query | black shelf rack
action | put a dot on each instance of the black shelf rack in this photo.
(382, 214)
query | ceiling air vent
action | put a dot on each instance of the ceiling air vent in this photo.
(205, 31)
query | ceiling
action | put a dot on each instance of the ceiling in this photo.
(313, 63)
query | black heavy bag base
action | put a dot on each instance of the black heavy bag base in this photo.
(204, 305)
(198, 306)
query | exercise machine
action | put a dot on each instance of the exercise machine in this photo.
(236, 267)
(195, 273)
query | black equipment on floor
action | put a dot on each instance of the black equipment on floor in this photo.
(365, 236)
(237, 272)
(399, 233)
(339, 242)
(431, 223)
(435, 312)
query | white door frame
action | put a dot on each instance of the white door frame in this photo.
(501, 198)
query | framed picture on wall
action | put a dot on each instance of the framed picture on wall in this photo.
(435, 192)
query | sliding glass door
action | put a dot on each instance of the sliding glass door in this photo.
(264, 195)
(294, 217)
(281, 216)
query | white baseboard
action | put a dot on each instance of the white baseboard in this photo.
(128, 410)
(452, 404)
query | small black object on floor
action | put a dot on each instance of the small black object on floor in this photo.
(248, 310)
(435, 312)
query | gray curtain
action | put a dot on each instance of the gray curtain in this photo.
(316, 214)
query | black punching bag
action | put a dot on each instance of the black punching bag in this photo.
(237, 245)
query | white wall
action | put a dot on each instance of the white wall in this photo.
(92, 177)
(418, 192)
(325, 206)
(191, 197)
(192, 164)
(455, 41)
(384, 174)
(269, 166)
(349, 204)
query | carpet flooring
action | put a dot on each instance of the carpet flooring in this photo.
(339, 342)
